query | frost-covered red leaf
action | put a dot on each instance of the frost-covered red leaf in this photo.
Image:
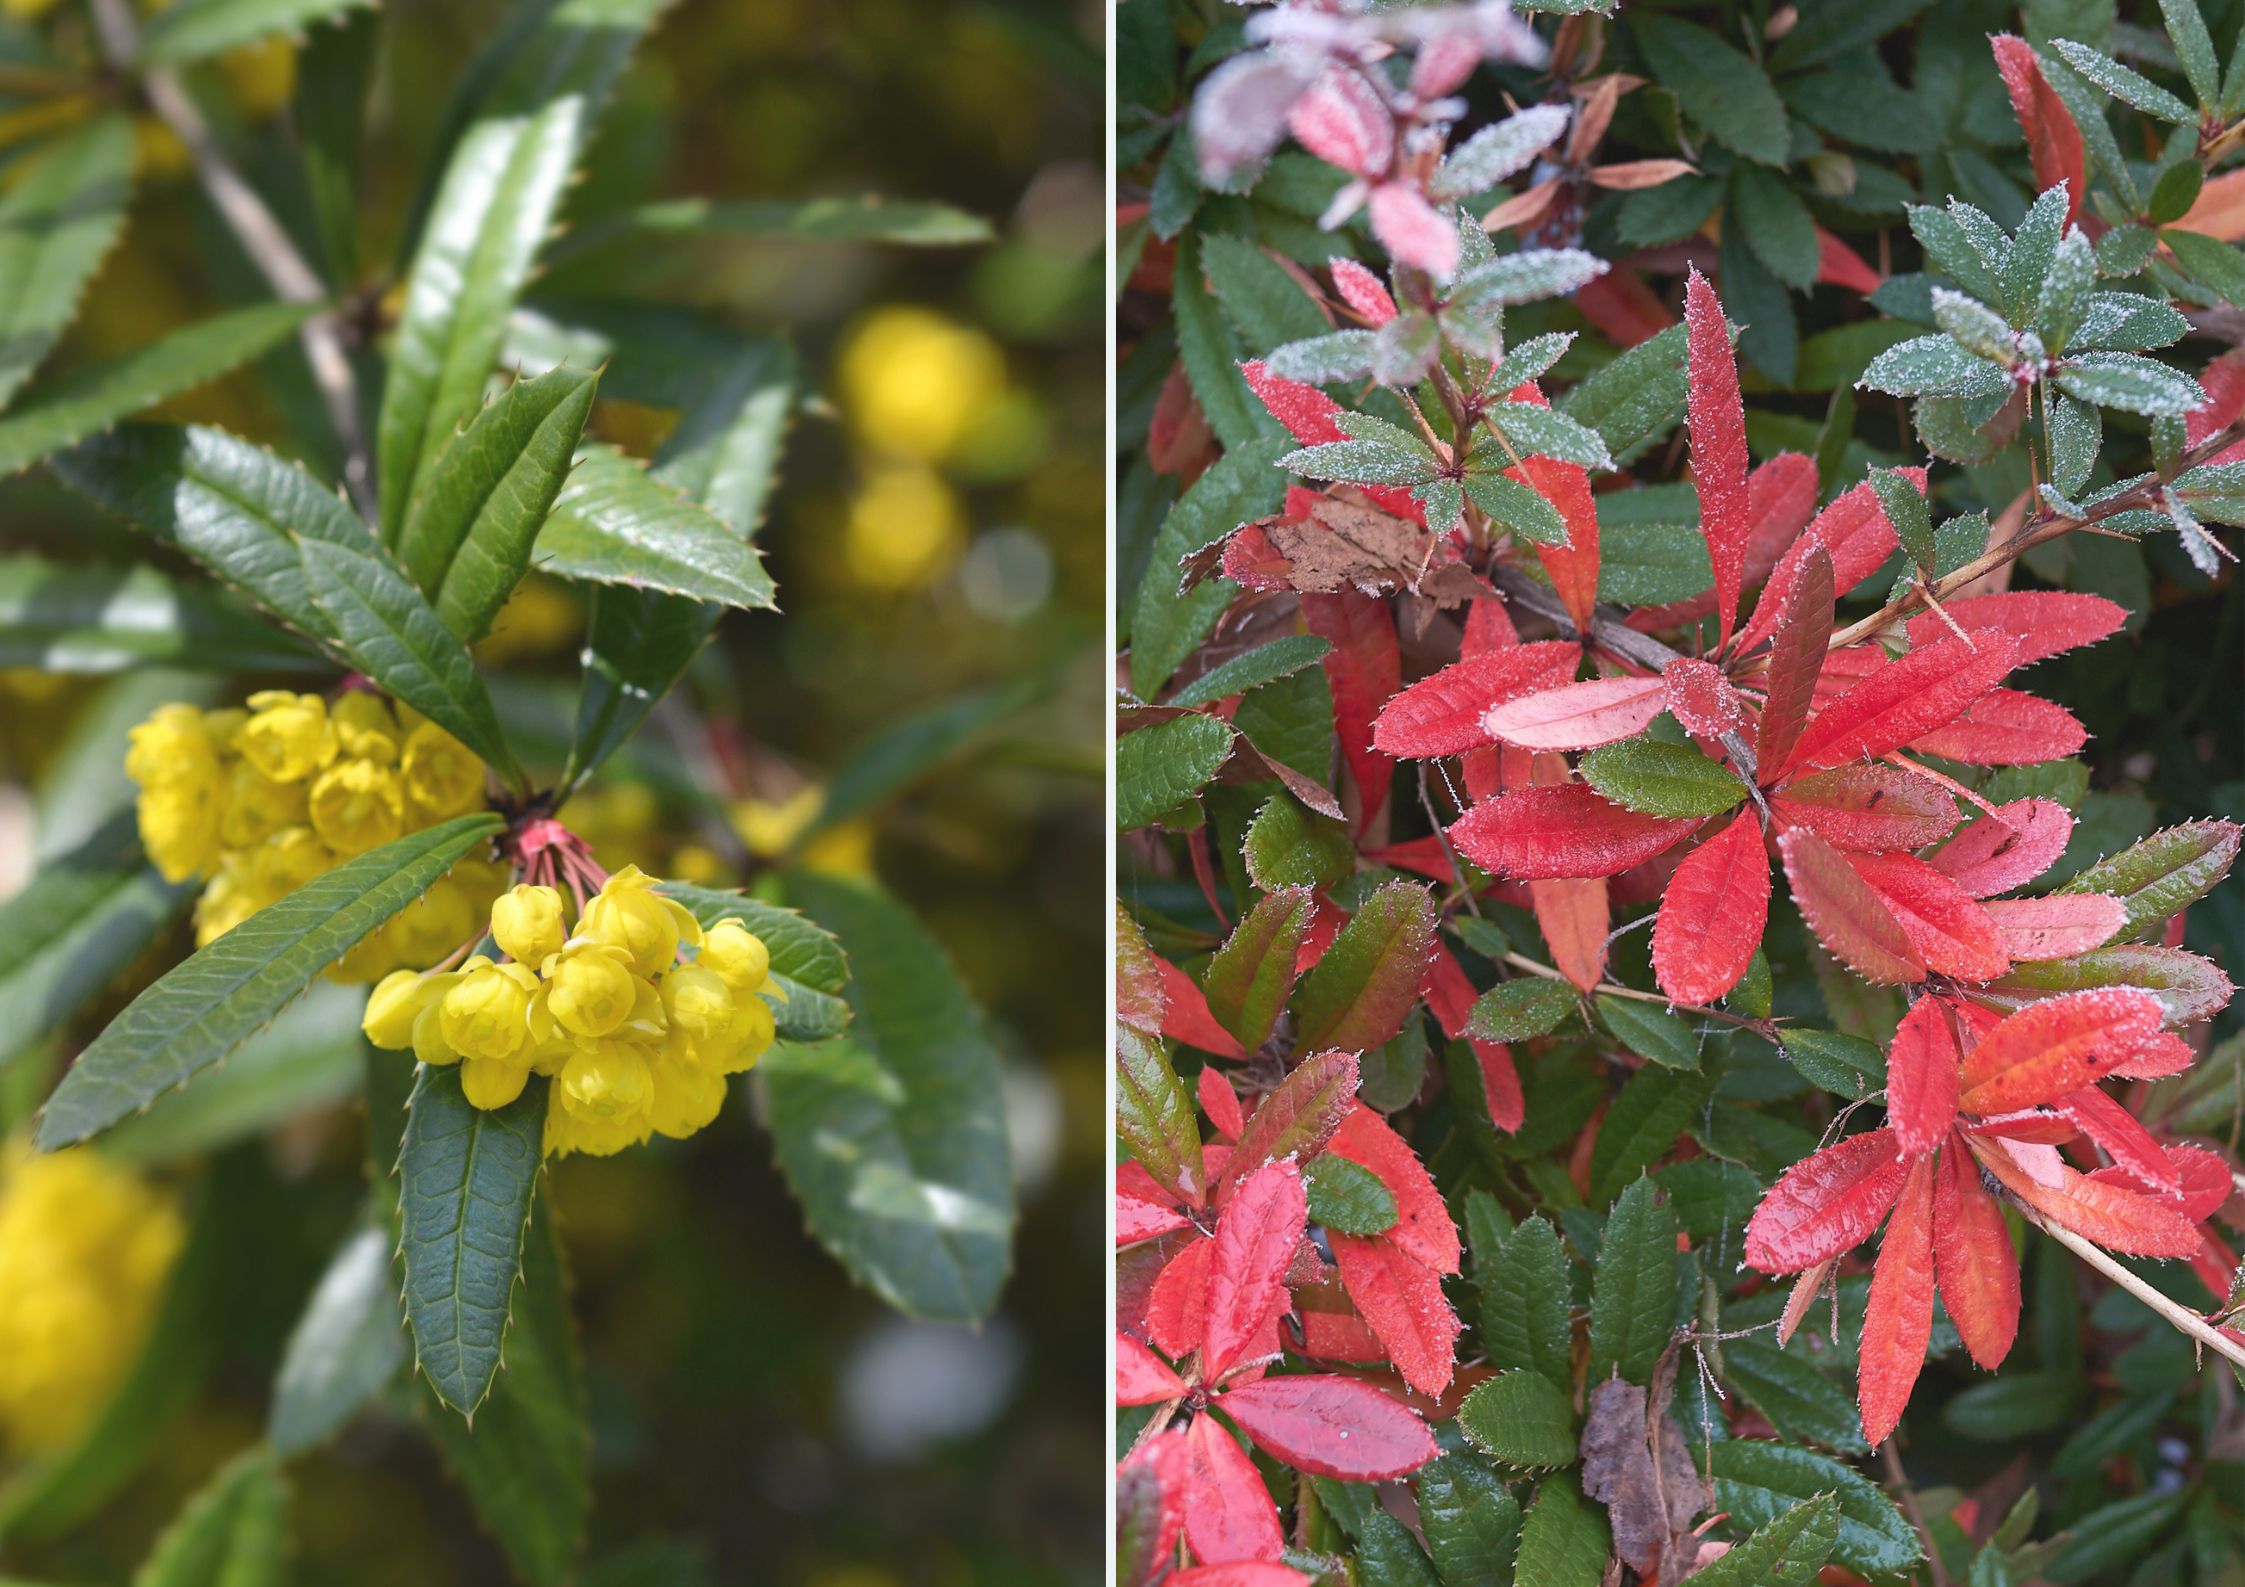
(1220, 1102)
(1906, 699)
(1252, 1247)
(1450, 998)
(1697, 694)
(2013, 845)
(2062, 1044)
(1137, 1220)
(2054, 141)
(1442, 714)
(2006, 727)
(2056, 927)
(1331, 1427)
(1898, 1321)
(1577, 715)
(1400, 1299)
(1424, 1229)
(1565, 831)
(1847, 914)
(1922, 1068)
(1717, 419)
(1185, 1015)
(1300, 1114)
(1949, 932)
(1229, 1514)
(2045, 622)
(1826, 1204)
(1712, 914)
(1868, 808)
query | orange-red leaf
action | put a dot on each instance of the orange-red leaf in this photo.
(1848, 917)
(2053, 139)
(1712, 915)
(1921, 1077)
(1853, 531)
(2137, 1160)
(1804, 623)
(1573, 567)
(1424, 1229)
(1364, 669)
(1898, 1321)
(2058, 1045)
(1141, 1377)
(2096, 1209)
(1401, 1301)
(1868, 807)
(1906, 699)
(1825, 1204)
(1220, 1102)
(1577, 715)
(1973, 1258)
(1716, 416)
(1177, 1305)
(1450, 997)
(1229, 1514)
(2056, 927)
(1186, 1018)
(1255, 1240)
(1331, 1427)
(1997, 853)
(2005, 727)
(2045, 622)
(1573, 916)
(1567, 831)
(1951, 933)
(1442, 714)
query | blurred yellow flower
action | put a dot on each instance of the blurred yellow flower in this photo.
(261, 76)
(543, 617)
(914, 383)
(769, 828)
(85, 1248)
(904, 527)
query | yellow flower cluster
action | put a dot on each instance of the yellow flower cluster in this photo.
(85, 1248)
(259, 801)
(636, 1034)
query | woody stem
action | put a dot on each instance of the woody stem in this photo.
(2181, 1316)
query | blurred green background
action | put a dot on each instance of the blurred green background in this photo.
(927, 707)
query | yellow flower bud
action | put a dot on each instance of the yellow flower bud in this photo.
(256, 807)
(697, 1002)
(171, 748)
(629, 914)
(365, 727)
(526, 923)
(607, 1082)
(749, 1039)
(492, 1082)
(429, 1044)
(486, 1012)
(590, 990)
(222, 724)
(288, 736)
(688, 1094)
(731, 950)
(395, 1003)
(567, 1132)
(179, 825)
(356, 805)
(443, 778)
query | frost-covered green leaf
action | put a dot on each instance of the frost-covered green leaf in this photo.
(2129, 383)
(1281, 658)
(2125, 84)
(1905, 507)
(1522, 1419)
(1501, 149)
(1546, 432)
(1323, 360)
(2163, 875)
(1517, 508)
(1517, 1010)
(1672, 780)
(1634, 399)
(2126, 322)
(2077, 433)
(1526, 276)
(1347, 1197)
(1932, 366)
(1530, 360)
(1973, 326)
(1471, 1521)
(1362, 463)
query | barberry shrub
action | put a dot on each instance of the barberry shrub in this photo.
(350, 795)
(1610, 818)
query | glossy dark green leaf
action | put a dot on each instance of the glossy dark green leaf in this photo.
(1721, 87)
(1471, 1522)
(1847, 1066)
(1650, 1031)
(1347, 1197)
(1758, 1481)
(1633, 1287)
(1264, 664)
(1672, 780)
(194, 30)
(809, 969)
(615, 522)
(1802, 1403)
(1288, 846)
(1563, 1538)
(208, 1006)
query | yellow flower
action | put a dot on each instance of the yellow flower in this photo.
(688, 1094)
(769, 828)
(179, 826)
(904, 528)
(171, 748)
(915, 383)
(256, 806)
(357, 805)
(394, 1004)
(526, 923)
(430, 927)
(366, 727)
(729, 949)
(290, 858)
(590, 990)
(487, 1011)
(222, 723)
(697, 1002)
(443, 778)
(607, 1083)
(85, 1248)
(568, 1132)
(750, 1038)
(490, 1083)
(629, 914)
(233, 895)
(288, 736)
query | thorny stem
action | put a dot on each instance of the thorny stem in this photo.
(262, 237)
(2174, 1312)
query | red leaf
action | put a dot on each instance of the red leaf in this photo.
(2057, 927)
(1137, 1220)
(1898, 1321)
(1340, 1336)
(1921, 1078)
(1568, 831)
(1220, 1102)
(1441, 714)
(2097, 1210)
(1365, 671)
(2058, 1045)
(1906, 699)
(1177, 1306)
(1413, 230)
(1847, 916)
(1361, 290)
(1310, 416)
(2045, 622)
(1973, 1259)
(2138, 1161)
(1622, 307)
(1229, 1514)
(1717, 418)
(2053, 139)
(1712, 915)
(1825, 1204)
(1839, 265)
(1402, 1302)
(1951, 933)
(1424, 1230)
(1141, 1377)
(1574, 567)
(1255, 1240)
(1300, 1115)
(1331, 1427)
(1868, 807)
(1803, 624)
(1997, 853)
(1701, 697)
(2005, 727)
(1780, 500)
(1186, 1017)
(1238, 1573)
(1451, 997)
(1854, 533)
(1573, 916)
(1577, 715)
(2205, 1176)
(1162, 1464)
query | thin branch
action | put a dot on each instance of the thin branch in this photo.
(262, 237)
(1764, 1028)
(2175, 1312)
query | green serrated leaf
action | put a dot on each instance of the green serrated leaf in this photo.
(1758, 1482)
(809, 970)
(1673, 780)
(1252, 975)
(1563, 1539)
(69, 617)
(1281, 658)
(1524, 1305)
(1522, 1419)
(2125, 84)
(1648, 1116)
(1778, 225)
(1357, 994)
(234, 1533)
(1517, 1010)
(1721, 88)
(614, 522)
(1636, 398)
(1471, 1522)
(57, 222)
(894, 1136)
(1786, 1551)
(194, 30)
(1347, 1196)
(1547, 432)
(75, 405)
(1633, 1287)
(467, 536)
(1154, 1116)
(1802, 1403)
(1846, 1066)
(2163, 875)
(1158, 768)
(346, 1347)
(1517, 508)
(1289, 846)
(211, 1004)
(1166, 626)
